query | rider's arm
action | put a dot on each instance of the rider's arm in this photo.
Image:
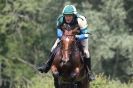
(59, 23)
(82, 37)
(59, 33)
(84, 31)
(83, 28)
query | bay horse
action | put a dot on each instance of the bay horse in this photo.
(68, 68)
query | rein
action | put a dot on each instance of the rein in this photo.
(68, 35)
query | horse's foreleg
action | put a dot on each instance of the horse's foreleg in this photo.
(56, 82)
(56, 76)
(54, 70)
(75, 73)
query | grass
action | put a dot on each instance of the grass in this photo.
(46, 81)
(104, 82)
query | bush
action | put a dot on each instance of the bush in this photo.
(46, 81)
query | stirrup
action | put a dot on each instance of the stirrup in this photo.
(91, 76)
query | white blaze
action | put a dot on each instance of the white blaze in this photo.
(67, 39)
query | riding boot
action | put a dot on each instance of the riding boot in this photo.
(88, 64)
(46, 67)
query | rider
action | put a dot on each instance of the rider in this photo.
(72, 18)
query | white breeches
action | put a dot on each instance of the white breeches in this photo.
(85, 47)
(83, 42)
(55, 44)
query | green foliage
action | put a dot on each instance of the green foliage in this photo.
(104, 82)
(110, 43)
(128, 4)
(46, 81)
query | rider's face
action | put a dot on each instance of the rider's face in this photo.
(68, 18)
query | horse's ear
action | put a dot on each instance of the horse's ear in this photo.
(63, 27)
(75, 30)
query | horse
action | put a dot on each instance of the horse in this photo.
(68, 68)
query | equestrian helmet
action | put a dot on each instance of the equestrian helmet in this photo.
(69, 9)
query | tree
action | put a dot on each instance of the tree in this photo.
(111, 44)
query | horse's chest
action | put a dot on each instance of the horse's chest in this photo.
(68, 66)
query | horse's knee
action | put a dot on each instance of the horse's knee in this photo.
(56, 74)
(54, 71)
(76, 73)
